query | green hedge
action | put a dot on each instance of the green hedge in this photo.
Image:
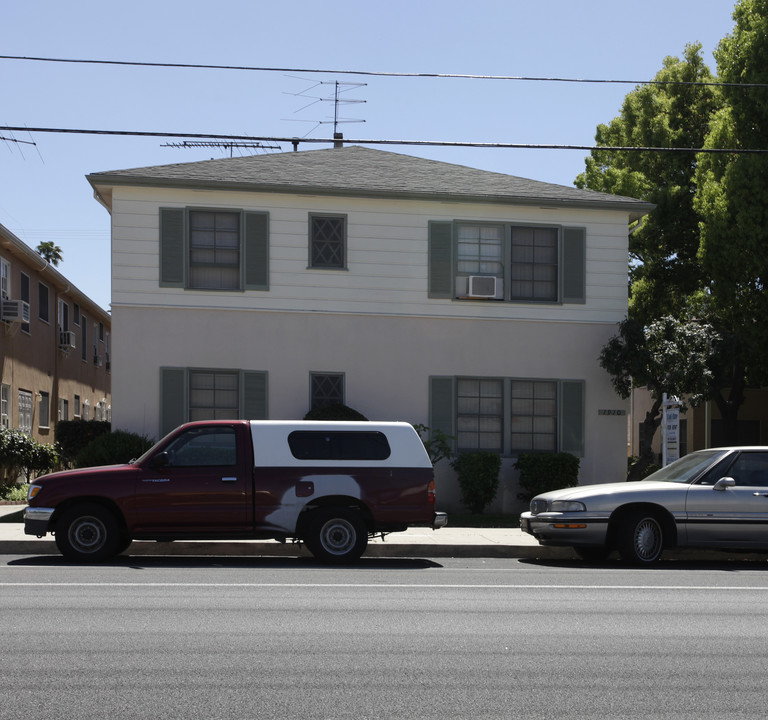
(478, 478)
(115, 448)
(542, 472)
(334, 412)
(21, 455)
(73, 435)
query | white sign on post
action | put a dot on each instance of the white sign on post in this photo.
(672, 427)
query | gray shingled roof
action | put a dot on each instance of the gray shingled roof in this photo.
(358, 170)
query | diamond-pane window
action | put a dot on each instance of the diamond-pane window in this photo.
(327, 240)
(326, 389)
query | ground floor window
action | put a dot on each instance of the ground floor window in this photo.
(509, 415)
(5, 406)
(326, 389)
(213, 395)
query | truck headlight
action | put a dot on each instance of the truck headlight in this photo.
(567, 506)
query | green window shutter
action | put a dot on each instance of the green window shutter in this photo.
(442, 394)
(574, 265)
(173, 398)
(253, 405)
(440, 259)
(171, 247)
(256, 251)
(572, 417)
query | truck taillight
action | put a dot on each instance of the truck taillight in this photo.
(431, 492)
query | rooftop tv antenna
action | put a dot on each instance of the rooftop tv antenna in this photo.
(189, 144)
(336, 99)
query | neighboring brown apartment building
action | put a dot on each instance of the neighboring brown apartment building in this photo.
(55, 345)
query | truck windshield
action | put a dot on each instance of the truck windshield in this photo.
(687, 468)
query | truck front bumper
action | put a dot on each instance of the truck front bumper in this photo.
(37, 520)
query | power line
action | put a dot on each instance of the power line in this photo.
(375, 73)
(422, 143)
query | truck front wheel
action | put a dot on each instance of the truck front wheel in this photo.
(336, 535)
(87, 533)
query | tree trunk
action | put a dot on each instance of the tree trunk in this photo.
(648, 429)
(729, 408)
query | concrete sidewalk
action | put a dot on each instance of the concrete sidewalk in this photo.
(414, 542)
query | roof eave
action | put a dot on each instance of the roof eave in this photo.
(100, 184)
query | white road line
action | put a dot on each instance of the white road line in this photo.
(402, 586)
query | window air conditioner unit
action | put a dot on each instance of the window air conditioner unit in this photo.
(15, 311)
(66, 340)
(481, 286)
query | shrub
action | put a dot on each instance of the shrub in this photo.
(73, 435)
(478, 478)
(335, 411)
(22, 455)
(542, 472)
(437, 443)
(113, 448)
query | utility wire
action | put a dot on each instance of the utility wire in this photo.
(423, 143)
(374, 73)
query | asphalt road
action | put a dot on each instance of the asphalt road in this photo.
(209, 638)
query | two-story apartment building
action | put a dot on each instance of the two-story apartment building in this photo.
(409, 289)
(55, 346)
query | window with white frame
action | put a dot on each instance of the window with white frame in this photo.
(509, 415)
(77, 410)
(5, 405)
(506, 262)
(214, 250)
(213, 395)
(44, 411)
(62, 315)
(24, 291)
(25, 411)
(480, 414)
(63, 409)
(534, 415)
(5, 279)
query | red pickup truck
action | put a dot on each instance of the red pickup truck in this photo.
(330, 485)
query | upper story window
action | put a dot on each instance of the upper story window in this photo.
(214, 250)
(5, 279)
(327, 241)
(507, 262)
(43, 302)
(224, 250)
(25, 294)
(62, 313)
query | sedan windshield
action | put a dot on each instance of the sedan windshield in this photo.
(687, 468)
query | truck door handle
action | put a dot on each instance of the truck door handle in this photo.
(229, 479)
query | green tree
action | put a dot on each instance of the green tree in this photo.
(663, 247)
(732, 200)
(50, 252)
(666, 356)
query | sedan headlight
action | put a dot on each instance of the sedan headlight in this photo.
(567, 506)
(32, 491)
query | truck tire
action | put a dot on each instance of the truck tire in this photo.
(87, 533)
(336, 535)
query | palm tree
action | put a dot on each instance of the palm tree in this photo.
(50, 252)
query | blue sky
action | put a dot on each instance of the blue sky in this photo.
(43, 191)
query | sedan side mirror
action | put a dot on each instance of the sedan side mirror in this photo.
(723, 483)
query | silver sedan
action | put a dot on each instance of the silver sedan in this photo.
(714, 498)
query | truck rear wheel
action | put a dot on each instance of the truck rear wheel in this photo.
(336, 535)
(87, 533)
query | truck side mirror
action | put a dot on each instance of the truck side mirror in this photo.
(161, 460)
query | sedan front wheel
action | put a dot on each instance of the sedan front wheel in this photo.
(641, 538)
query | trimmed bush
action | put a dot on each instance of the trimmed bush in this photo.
(73, 435)
(113, 448)
(542, 472)
(22, 455)
(478, 478)
(334, 412)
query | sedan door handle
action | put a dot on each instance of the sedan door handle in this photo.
(761, 494)
(229, 479)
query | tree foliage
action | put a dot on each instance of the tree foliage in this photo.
(50, 252)
(663, 248)
(732, 201)
(667, 356)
